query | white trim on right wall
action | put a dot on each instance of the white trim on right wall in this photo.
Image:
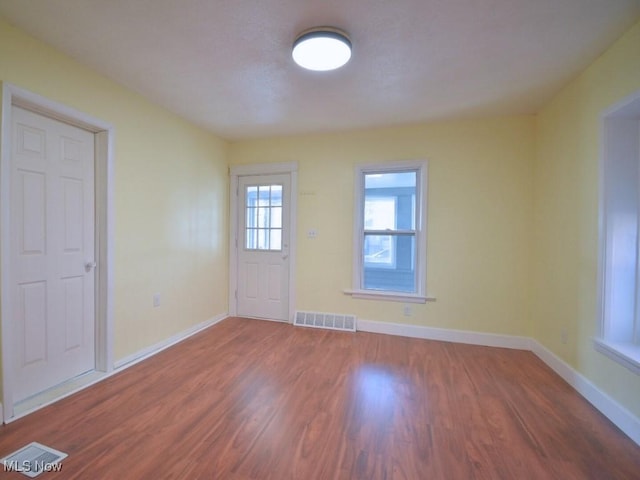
(610, 408)
(618, 334)
(619, 415)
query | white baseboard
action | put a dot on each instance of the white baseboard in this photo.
(619, 415)
(444, 334)
(122, 364)
(150, 351)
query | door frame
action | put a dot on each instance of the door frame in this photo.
(235, 172)
(104, 223)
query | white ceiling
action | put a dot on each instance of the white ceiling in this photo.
(226, 64)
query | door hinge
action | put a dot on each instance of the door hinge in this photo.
(236, 294)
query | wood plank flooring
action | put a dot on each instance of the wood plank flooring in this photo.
(249, 399)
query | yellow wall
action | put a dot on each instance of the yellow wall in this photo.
(566, 217)
(170, 196)
(512, 207)
(479, 210)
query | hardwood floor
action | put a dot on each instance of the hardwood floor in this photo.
(249, 399)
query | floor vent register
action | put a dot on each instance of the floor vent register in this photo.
(332, 321)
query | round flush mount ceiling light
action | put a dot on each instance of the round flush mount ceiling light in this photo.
(322, 49)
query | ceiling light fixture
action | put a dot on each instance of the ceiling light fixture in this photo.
(322, 49)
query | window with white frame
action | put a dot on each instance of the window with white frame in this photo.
(620, 236)
(390, 231)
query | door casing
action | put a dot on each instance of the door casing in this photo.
(104, 138)
(290, 168)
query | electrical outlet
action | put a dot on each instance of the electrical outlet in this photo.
(156, 299)
(313, 233)
(407, 310)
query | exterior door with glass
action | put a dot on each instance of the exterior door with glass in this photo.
(263, 246)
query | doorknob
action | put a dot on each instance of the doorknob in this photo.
(89, 266)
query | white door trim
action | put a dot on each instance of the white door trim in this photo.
(104, 138)
(235, 172)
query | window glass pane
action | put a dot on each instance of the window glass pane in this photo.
(263, 239)
(251, 238)
(379, 213)
(276, 217)
(378, 249)
(251, 217)
(276, 240)
(389, 200)
(390, 180)
(263, 217)
(252, 196)
(392, 269)
(263, 195)
(276, 195)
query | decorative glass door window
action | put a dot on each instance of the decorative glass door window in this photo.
(263, 220)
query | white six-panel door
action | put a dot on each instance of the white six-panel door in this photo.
(263, 246)
(52, 252)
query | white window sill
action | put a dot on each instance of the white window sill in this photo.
(626, 354)
(389, 296)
